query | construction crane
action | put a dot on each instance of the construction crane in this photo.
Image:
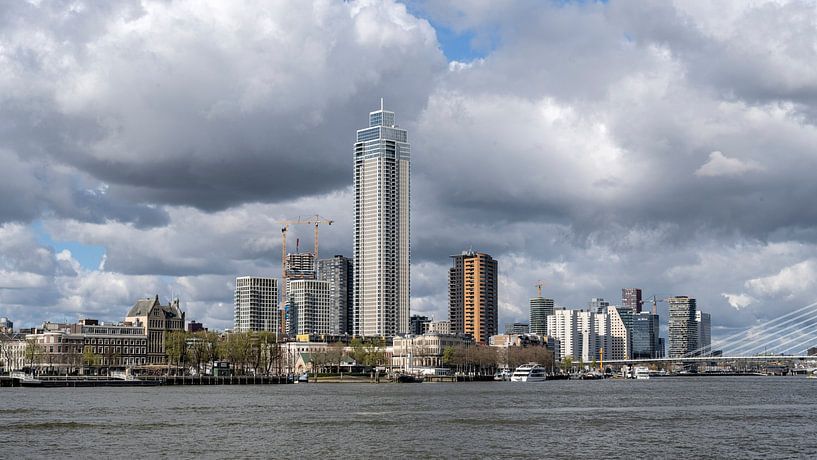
(315, 221)
(539, 284)
(654, 302)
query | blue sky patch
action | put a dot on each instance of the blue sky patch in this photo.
(88, 256)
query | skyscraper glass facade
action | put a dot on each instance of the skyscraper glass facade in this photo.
(381, 250)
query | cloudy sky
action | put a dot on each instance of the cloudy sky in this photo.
(150, 147)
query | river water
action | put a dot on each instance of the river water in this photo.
(709, 417)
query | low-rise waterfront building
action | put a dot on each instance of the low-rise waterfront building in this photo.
(117, 345)
(157, 321)
(425, 351)
(62, 348)
(527, 340)
(440, 327)
(12, 351)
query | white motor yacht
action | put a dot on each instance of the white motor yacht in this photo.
(641, 373)
(531, 372)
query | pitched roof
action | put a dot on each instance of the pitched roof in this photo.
(143, 307)
(307, 356)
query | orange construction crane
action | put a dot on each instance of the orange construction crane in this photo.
(315, 220)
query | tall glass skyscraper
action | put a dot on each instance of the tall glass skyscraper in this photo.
(683, 330)
(540, 309)
(381, 256)
(645, 336)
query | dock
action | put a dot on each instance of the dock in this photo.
(105, 381)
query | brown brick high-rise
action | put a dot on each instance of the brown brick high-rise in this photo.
(472, 295)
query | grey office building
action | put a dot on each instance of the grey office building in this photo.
(683, 329)
(540, 309)
(338, 272)
(704, 324)
(521, 328)
(631, 298)
(418, 324)
(597, 305)
(644, 334)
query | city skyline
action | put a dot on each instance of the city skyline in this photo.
(137, 166)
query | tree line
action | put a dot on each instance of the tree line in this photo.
(486, 360)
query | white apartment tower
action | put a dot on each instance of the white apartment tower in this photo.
(563, 325)
(618, 344)
(310, 308)
(587, 336)
(256, 304)
(381, 253)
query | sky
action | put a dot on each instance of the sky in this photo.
(150, 147)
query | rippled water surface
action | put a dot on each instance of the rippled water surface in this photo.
(712, 417)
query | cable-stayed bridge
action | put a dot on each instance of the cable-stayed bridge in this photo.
(787, 337)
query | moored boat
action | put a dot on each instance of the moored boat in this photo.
(409, 378)
(531, 372)
(502, 375)
(641, 373)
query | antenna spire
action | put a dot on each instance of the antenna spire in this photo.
(381, 104)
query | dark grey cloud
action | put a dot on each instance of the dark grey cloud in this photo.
(168, 103)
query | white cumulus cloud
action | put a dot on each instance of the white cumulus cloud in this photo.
(721, 165)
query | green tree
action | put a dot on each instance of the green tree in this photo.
(214, 347)
(318, 359)
(199, 350)
(334, 355)
(375, 352)
(89, 358)
(567, 363)
(237, 348)
(175, 348)
(33, 353)
(269, 351)
(449, 355)
(358, 351)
